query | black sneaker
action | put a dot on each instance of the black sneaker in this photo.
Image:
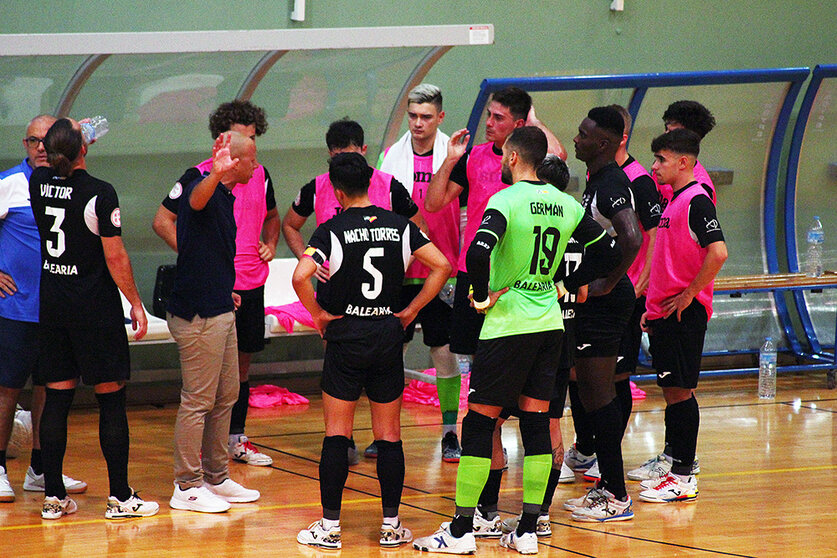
(451, 452)
(371, 451)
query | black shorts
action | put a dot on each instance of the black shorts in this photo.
(98, 354)
(556, 404)
(601, 321)
(508, 367)
(364, 354)
(631, 341)
(434, 318)
(465, 323)
(18, 353)
(677, 347)
(249, 320)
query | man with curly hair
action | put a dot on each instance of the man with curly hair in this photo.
(693, 116)
(258, 224)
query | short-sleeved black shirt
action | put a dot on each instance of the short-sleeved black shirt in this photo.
(400, 199)
(608, 192)
(646, 199)
(703, 219)
(172, 200)
(73, 214)
(205, 275)
(367, 249)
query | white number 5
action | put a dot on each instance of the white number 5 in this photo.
(55, 250)
(372, 291)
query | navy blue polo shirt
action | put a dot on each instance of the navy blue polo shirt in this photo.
(205, 275)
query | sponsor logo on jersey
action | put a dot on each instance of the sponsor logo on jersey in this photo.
(618, 201)
(116, 218)
(176, 190)
(712, 225)
(662, 375)
(655, 209)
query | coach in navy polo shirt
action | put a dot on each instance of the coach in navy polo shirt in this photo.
(201, 318)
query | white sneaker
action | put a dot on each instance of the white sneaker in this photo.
(199, 499)
(483, 528)
(316, 535)
(605, 507)
(242, 450)
(132, 507)
(6, 492)
(654, 469)
(395, 536)
(672, 488)
(652, 482)
(543, 528)
(55, 508)
(233, 492)
(567, 475)
(592, 474)
(527, 543)
(35, 483)
(443, 541)
(20, 439)
(578, 461)
(573, 503)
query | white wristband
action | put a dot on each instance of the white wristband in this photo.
(482, 305)
(562, 290)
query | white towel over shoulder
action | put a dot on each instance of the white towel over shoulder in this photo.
(399, 159)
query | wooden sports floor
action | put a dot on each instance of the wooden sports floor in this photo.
(768, 486)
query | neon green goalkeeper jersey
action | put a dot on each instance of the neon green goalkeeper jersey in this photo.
(539, 222)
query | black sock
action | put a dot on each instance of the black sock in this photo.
(626, 401)
(35, 462)
(608, 426)
(685, 423)
(334, 470)
(461, 524)
(54, 439)
(584, 442)
(238, 418)
(390, 466)
(551, 485)
(3, 459)
(490, 494)
(667, 418)
(528, 523)
(114, 439)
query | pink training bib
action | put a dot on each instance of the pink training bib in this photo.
(325, 202)
(677, 256)
(634, 171)
(483, 172)
(442, 226)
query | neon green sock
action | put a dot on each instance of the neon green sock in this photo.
(448, 389)
(470, 480)
(535, 477)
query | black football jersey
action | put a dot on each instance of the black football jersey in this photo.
(72, 215)
(367, 250)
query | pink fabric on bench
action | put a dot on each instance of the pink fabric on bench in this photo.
(287, 314)
(262, 397)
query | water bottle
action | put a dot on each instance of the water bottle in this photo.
(767, 370)
(94, 129)
(446, 294)
(464, 362)
(816, 238)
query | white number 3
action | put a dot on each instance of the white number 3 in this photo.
(55, 250)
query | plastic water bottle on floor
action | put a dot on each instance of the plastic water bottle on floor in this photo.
(464, 362)
(94, 129)
(816, 238)
(767, 370)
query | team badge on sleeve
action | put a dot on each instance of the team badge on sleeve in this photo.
(116, 218)
(176, 190)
